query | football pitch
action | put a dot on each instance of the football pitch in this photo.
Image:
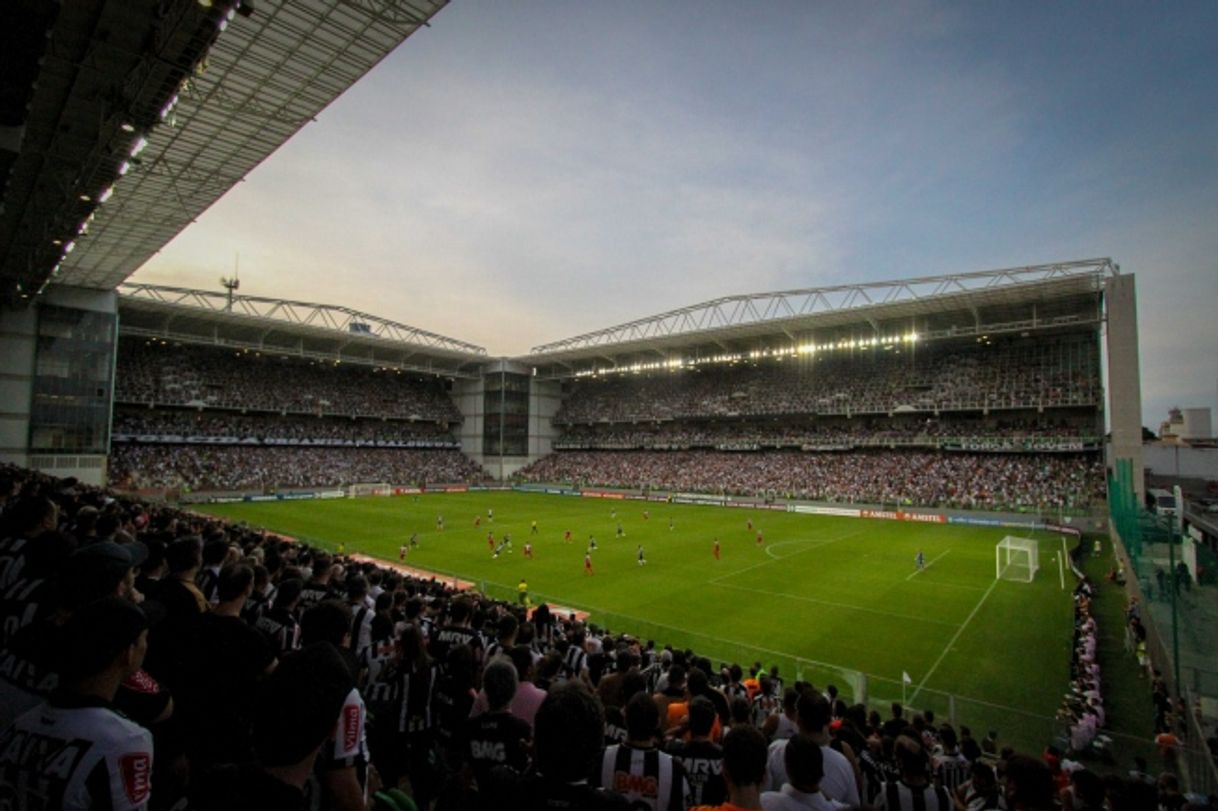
(824, 598)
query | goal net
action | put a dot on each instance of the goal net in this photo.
(1016, 559)
(369, 489)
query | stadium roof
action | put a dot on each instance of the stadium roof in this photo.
(1039, 297)
(163, 105)
(278, 326)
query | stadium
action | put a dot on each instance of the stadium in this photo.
(807, 506)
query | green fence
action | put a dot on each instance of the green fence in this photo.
(1180, 614)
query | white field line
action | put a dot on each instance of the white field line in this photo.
(809, 544)
(952, 641)
(830, 603)
(927, 566)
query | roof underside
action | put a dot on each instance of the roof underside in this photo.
(276, 326)
(244, 83)
(1040, 298)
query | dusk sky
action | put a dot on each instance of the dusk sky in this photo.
(522, 172)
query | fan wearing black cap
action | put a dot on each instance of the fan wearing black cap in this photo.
(28, 664)
(77, 751)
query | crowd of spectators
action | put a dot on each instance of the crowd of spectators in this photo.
(993, 434)
(974, 481)
(152, 658)
(266, 468)
(151, 373)
(1005, 375)
(175, 425)
(1083, 707)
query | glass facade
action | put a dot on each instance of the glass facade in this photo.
(73, 381)
(505, 424)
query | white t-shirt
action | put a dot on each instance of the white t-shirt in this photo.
(838, 782)
(78, 756)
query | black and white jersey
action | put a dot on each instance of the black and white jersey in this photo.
(450, 636)
(575, 661)
(647, 778)
(615, 726)
(418, 693)
(900, 796)
(314, 592)
(361, 628)
(496, 739)
(952, 771)
(703, 764)
(281, 629)
(73, 753)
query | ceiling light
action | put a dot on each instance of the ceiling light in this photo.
(106, 195)
(138, 146)
(127, 127)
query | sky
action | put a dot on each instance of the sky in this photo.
(523, 172)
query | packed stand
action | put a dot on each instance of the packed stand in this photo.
(151, 373)
(1012, 375)
(151, 658)
(237, 468)
(989, 435)
(1009, 481)
(170, 426)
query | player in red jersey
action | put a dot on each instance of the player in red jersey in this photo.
(528, 550)
(402, 552)
(477, 521)
(750, 523)
(587, 563)
(566, 536)
(759, 538)
(490, 540)
(716, 549)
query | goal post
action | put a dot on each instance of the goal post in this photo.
(369, 489)
(1016, 559)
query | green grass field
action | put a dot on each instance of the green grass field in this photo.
(821, 598)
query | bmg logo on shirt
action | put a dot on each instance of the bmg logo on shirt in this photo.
(136, 769)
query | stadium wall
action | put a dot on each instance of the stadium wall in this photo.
(1124, 398)
(83, 382)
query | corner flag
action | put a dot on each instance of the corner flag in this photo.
(906, 678)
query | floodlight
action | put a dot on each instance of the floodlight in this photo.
(106, 195)
(138, 146)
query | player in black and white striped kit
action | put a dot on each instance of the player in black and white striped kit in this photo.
(649, 779)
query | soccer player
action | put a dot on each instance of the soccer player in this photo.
(613, 514)
(528, 550)
(646, 514)
(533, 531)
(760, 540)
(920, 560)
(716, 549)
(670, 526)
(750, 524)
(591, 543)
(642, 557)
(490, 540)
(621, 533)
(566, 536)
(490, 515)
(342, 548)
(414, 540)
(522, 592)
(440, 523)
(498, 550)
(477, 521)
(402, 552)
(587, 563)
(507, 541)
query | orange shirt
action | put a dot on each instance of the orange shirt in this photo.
(679, 710)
